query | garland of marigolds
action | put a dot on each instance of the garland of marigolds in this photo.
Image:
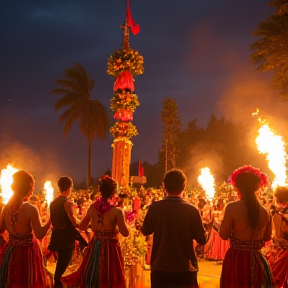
(123, 129)
(122, 101)
(125, 59)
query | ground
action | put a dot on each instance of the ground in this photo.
(208, 275)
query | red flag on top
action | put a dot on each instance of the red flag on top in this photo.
(135, 28)
(140, 169)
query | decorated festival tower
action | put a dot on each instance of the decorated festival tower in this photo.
(124, 64)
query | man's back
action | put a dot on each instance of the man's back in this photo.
(63, 232)
(59, 217)
(175, 223)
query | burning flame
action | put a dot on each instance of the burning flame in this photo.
(49, 192)
(274, 147)
(206, 180)
(5, 182)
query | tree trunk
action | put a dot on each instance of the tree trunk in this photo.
(89, 164)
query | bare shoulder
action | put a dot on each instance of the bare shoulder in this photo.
(29, 207)
(234, 208)
(116, 210)
(232, 205)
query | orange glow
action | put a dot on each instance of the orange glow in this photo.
(5, 182)
(49, 192)
(206, 180)
(273, 147)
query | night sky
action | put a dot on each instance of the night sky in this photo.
(195, 51)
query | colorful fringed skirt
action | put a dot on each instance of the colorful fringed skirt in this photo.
(102, 265)
(22, 263)
(244, 266)
(277, 257)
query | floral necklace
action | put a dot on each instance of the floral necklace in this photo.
(102, 206)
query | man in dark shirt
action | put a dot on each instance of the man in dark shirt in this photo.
(175, 224)
(64, 232)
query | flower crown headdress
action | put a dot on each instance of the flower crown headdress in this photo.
(107, 179)
(250, 169)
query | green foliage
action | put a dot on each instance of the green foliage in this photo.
(222, 146)
(280, 5)
(270, 52)
(171, 129)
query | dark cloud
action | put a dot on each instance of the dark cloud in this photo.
(196, 52)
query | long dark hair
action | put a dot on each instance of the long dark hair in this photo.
(23, 182)
(248, 180)
(107, 186)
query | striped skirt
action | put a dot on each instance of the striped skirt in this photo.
(102, 265)
(22, 263)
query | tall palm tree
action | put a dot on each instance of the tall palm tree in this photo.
(93, 116)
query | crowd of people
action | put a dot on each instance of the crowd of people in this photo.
(165, 230)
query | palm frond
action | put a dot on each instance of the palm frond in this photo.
(70, 113)
(96, 121)
(67, 100)
(75, 87)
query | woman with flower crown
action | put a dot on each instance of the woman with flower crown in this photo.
(102, 265)
(247, 224)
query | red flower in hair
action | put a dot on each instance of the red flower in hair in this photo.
(250, 169)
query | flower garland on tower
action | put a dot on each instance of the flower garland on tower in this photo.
(123, 99)
(123, 129)
(125, 59)
(123, 64)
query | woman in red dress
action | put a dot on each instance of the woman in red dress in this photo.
(248, 225)
(21, 260)
(278, 255)
(216, 247)
(102, 265)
